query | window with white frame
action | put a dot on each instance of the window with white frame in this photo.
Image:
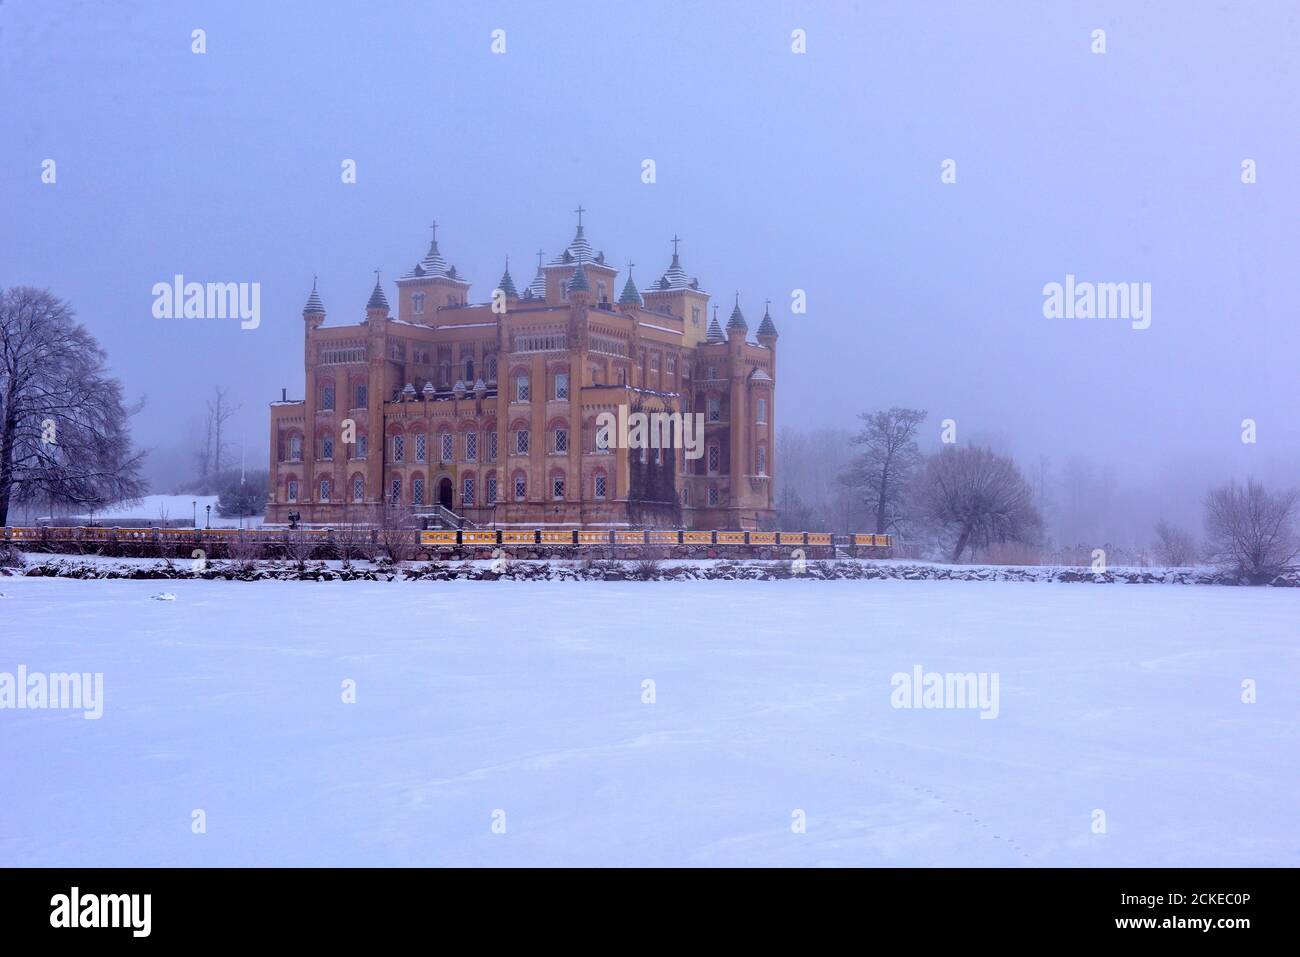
(399, 448)
(760, 412)
(358, 489)
(417, 490)
(324, 490)
(521, 487)
(598, 489)
(491, 368)
(521, 388)
(471, 446)
(492, 445)
(395, 492)
(291, 490)
(492, 489)
(467, 491)
(327, 396)
(448, 446)
(762, 460)
(327, 448)
(557, 487)
(421, 446)
(521, 442)
(295, 448)
(561, 440)
(562, 385)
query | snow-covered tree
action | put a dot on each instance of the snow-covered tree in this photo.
(974, 497)
(64, 427)
(889, 459)
(1252, 530)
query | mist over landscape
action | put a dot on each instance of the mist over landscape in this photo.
(819, 172)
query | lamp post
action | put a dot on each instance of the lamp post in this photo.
(208, 520)
(195, 504)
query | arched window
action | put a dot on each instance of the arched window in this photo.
(362, 396)
(325, 490)
(520, 484)
(599, 484)
(291, 489)
(467, 490)
(395, 491)
(471, 446)
(398, 445)
(363, 445)
(448, 446)
(521, 388)
(715, 458)
(417, 490)
(327, 448)
(491, 488)
(760, 413)
(557, 485)
(417, 301)
(713, 495)
(492, 368)
(358, 488)
(327, 397)
(762, 460)
(421, 447)
(295, 448)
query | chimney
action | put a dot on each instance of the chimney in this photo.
(284, 395)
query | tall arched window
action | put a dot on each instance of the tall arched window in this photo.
(760, 412)
(358, 488)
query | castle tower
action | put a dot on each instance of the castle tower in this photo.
(431, 285)
(680, 294)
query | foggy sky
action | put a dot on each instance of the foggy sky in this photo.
(779, 171)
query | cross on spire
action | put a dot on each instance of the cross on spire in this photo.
(434, 226)
(539, 259)
(675, 242)
(579, 211)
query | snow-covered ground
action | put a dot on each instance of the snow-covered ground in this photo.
(771, 698)
(156, 509)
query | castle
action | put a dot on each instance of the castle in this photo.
(486, 413)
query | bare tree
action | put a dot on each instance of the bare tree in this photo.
(1173, 545)
(888, 461)
(64, 435)
(220, 410)
(976, 497)
(1251, 529)
(399, 535)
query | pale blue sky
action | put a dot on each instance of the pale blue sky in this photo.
(779, 171)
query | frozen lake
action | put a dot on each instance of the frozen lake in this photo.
(522, 704)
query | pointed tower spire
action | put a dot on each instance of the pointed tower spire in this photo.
(737, 321)
(578, 281)
(378, 301)
(507, 285)
(631, 296)
(537, 288)
(715, 330)
(314, 306)
(767, 328)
